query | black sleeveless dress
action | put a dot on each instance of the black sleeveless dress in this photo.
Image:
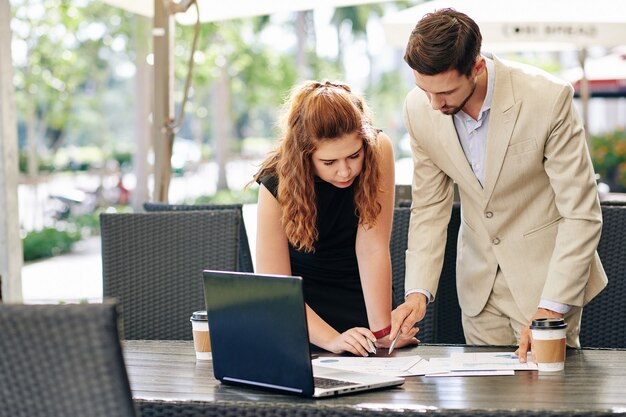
(330, 275)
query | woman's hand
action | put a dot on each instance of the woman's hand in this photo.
(354, 340)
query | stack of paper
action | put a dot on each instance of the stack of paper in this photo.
(478, 364)
(458, 364)
(393, 366)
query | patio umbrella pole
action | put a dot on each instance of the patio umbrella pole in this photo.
(10, 242)
(165, 124)
(163, 112)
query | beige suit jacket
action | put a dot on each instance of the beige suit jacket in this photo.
(538, 216)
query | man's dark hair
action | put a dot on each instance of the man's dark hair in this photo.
(442, 41)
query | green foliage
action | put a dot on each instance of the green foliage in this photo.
(86, 224)
(89, 224)
(385, 97)
(67, 61)
(78, 158)
(608, 153)
(258, 76)
(357, 15)
(74, 72)
(247, 196)
(123, 157)
(254, 147)
(324, 70)
(48, 242)
(52, 241)
(45, 164)
(548, 62)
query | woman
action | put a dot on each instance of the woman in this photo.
(325, 213)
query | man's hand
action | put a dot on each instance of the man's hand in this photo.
(404, 317)
(403, 340)
(525, 341)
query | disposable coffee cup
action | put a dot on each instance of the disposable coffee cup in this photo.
(548, 345)
(201, 339)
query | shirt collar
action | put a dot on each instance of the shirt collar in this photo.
(491, 77)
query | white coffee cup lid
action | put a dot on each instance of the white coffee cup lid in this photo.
(549, 323)
(199, 315)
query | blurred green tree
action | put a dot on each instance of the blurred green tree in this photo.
(608, 153)
(65, 60)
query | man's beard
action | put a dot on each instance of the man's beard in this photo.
(457, 109)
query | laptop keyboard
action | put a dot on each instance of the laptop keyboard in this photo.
(325, 383)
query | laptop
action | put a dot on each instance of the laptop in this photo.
(259, 338)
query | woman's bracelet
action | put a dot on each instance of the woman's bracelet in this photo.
(383, 332)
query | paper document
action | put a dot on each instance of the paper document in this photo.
(489, 361)
(394, 366)
(441, 367)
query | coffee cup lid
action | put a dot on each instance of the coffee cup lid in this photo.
(551, 323)
(199, 315)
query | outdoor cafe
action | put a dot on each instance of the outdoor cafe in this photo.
(137, 353)
(182, 307)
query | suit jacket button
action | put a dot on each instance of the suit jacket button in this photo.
(488, 214)
(495, 241)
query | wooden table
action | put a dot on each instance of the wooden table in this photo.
(166, 380)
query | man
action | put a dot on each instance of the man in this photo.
(508, 135)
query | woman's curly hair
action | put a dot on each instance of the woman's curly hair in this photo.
(317, 112)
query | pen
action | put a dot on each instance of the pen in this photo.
(372, 347)
(393, 344)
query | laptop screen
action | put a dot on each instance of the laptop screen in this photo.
(258, 330)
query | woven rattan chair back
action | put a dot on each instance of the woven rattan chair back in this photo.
(244, 262)
(449, 324)
(603, 318)
(442, 322)
(397, 248)
(62, 360)
(152, 264)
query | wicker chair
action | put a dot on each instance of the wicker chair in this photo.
(449, 325)
(603, 316)
(152, 263)
(397, 248)
(62, 360)
(245, 257)
(442, 322)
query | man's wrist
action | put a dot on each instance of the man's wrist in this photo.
(427, 295)
(416, 296)
(547, 313)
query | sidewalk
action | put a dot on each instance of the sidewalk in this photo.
(77, 276)
(71, 277)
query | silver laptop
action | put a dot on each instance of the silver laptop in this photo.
(259, 338)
